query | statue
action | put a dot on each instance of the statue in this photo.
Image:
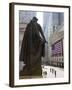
(32, 49)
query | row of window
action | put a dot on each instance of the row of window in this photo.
(58, 64)
(57, 59)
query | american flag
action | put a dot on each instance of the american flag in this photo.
(57, 48)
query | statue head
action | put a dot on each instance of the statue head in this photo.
(34, 19)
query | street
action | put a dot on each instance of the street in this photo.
(52, 72)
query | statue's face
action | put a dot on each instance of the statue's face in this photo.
(34, 21)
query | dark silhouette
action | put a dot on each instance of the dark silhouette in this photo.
(50, 69)
(55, 73)
(32, 49)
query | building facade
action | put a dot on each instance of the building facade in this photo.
(56, 41)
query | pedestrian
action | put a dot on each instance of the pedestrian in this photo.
(55, 73)
(50, 69)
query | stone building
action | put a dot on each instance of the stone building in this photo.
(56, 40)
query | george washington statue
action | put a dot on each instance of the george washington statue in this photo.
(32, 49)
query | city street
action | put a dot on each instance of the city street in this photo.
(52, 72)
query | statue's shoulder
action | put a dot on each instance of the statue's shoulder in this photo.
(39, 26)
(29, 24)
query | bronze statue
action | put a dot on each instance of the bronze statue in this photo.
(32, 49)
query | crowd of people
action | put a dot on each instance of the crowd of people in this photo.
(53, 71)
